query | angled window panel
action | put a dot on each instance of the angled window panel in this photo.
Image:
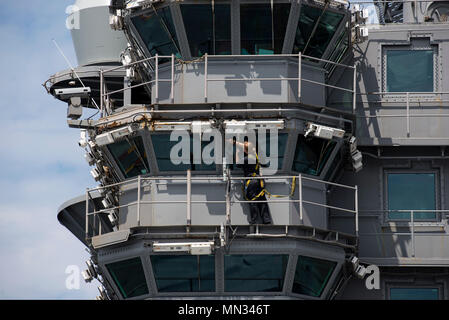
(163, 147)
(184, 273)
(254, 273)
(129, 277)
(157, 31)
(312, 275)
(130, 157)
(208, 28)
(325, 30)
(256, 28)
(311, 155)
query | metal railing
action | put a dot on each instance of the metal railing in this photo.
(105, 95)
(401, 223)
(227, 201)
(406, 98)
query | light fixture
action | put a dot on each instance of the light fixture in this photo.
(96, 174)
(194, 248)
(323, 132)
(83, 138)
(114, 135)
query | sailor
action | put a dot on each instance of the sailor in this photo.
(254, 189)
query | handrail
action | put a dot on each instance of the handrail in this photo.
(424, 97)
(412, 222)
(104, 94)
(227, 197)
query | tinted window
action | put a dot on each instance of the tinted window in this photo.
(130, 156)
(163, 146)
(282, 143)
(401, 77)
(184, 273)
(314, 43)
(158, 32)
(311, 154)
(263, 29)
(129, 277)
(255, 273)
(312, 275)
(414, 294)
(208, 28)
(411, 191)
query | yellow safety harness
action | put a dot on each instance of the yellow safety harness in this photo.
(262, 185)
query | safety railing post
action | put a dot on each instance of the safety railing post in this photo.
(87, 214)
(101, 91)
(354, 90)
(205, 76)
(189, 197)
(228, 203)
(301, 214)
(356, 209)
(412, 213)
(172, 97)
(408, 114)
(299, 76)
(138, 200)
(156, 61)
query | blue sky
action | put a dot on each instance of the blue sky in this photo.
(41, 163)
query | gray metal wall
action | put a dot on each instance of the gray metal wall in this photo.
(385, 242)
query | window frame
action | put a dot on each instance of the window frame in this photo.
(111, 281)
(235, 170)
(158, 172)
(215, 2)
(286, 273)
(183, 293)
(386, 216)
(330, 282)
(330, 47)
(331, 159)
(413, 44)
(406, 285)
(184, 49)
(286, 34)
(116, 166)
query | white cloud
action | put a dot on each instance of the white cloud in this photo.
(42, 166)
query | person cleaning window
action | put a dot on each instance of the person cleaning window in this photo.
(253, 189)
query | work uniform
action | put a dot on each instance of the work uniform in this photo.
(254, 191)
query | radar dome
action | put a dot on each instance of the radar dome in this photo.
(94, 40)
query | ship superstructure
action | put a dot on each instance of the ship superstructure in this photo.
(348, 120)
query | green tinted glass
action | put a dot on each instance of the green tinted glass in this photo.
(208, 28)
(411, 191)
(311, 155)
(130, 156)
(414, 294)
(256, 28)
(312, 275)
(318, 40)
(409, 70)
(162, 149)
(254, 273)
(129, 277)
(184, 273)
(263, 28)
(158, 32)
